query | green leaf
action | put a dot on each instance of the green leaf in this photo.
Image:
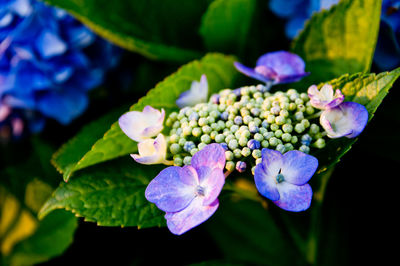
(52, 237)
(246, 232)
(226, 24)
(111, 194)
(366, 89)
(220, 74)
(338, 41)
(164, 30)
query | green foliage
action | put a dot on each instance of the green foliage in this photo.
(111, 194)
(366, 89)
(339, 41)
(247, 232)
(161, 30)
(226, 24)
(220, 74)
(24, 187)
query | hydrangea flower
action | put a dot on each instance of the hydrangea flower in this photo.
(324, 98)
(143, 125)
(283, 178)
(387, 53)
(152, 151)
(297, 12)
(48, 61)
(189, 194)
(345, 120)
(276, 67)
(197, 93)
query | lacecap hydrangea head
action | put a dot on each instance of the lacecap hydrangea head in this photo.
(48, 61)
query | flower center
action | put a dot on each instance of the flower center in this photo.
(200, 191)
(280, 178)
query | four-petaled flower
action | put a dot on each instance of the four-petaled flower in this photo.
(283, 178)
(140, 126)
(197, 93)
(324, 98)
(345, 120)
(152, 151)
(189, 194)
(276, 67)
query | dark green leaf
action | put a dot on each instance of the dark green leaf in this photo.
(339, 41)
(226, 24)
(165, 30)
(111, 194)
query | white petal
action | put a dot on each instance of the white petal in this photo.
(142, 125)
(197, 93)
(151, 151)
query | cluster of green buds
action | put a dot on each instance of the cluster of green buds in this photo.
(244, 121)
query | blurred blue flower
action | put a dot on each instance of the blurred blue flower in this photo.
(48, 60)
(387, 53)
(297, 12)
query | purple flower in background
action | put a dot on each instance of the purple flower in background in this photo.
(197, 93)
(297, 12)
(283, 178)
(48, 61)
(276, 67)
(345, 120)
(189, 194)
(387, 53)
(324, 98)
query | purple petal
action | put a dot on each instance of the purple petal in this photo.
(291, 78)
(294, 198)
(266, 172)
(212, 180)
(173, 188)
(49, 44)
(195, 214)
(211, 156)
(285, 64)
(347, 119)
(250, 72)
(298, 167)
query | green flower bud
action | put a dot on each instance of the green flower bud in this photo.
(274, 127)
(299, 128)
(286, 137)
(219, 138)
(258, 137)
(229, 137)
(299, 101)
(229, 156)
(243, 141)
(299, 116)
(215, 113)
(320, 143)
(203, 113)
(180, 116)
(233, 144)
(201, 146)
(182, 141)
(228, 124)
(234, 128)
(280, 120)
(213, 134)
(247, 119)
(178, 161)
(193, 151)
(284, 113)
(314, 129)
(246, 151)
(289, 147)
(265, 143)
(262, 130)
(206, 129)
(304, 96)
(304, 148)
(294, 140)
(173, 138)
(246, 133)
(256, 154)
(205, 139)
(287, 128)
(268, 135)
(186, 131)
(278, 133)
(305, 123)
(173, 115)
(253, 169)
(281, 148)
(230, 166)
(196, 132)
(310, 110)
(202, 121)
(187, 160)
(193, 123)
(257, 121)
(237, 153)
(175, 148)
(273, 142)
(301, 108)
(292, 106)
(270, 119)
(221, 124)
(176, 124)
